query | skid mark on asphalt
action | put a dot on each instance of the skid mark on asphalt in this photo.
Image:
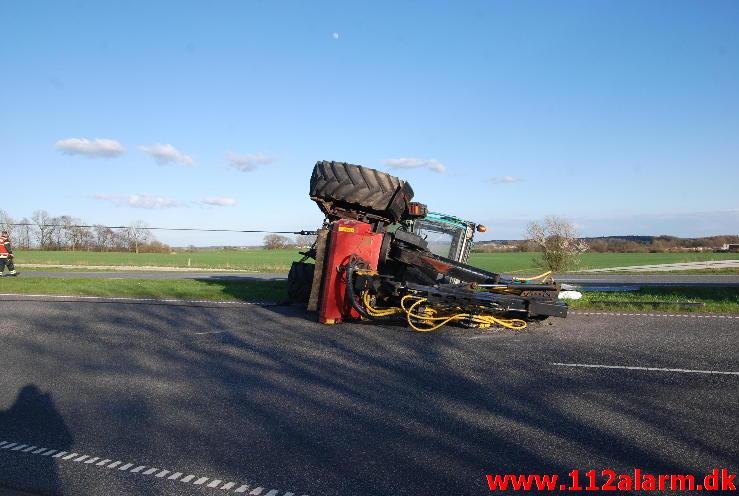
(143, 470)
(629, 314)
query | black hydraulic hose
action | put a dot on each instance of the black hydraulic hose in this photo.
(352, 296)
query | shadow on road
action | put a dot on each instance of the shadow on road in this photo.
(32, 420)
(273, 397)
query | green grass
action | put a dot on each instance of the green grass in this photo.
(259, 260)
(521, 262)
(256, 260)
(721, 300)
(149, 288)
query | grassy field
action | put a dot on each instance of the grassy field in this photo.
(149, 288)
(725, 300)
(259, 260)
(722, 300)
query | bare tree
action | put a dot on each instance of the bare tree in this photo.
(45, 228)
(6, 222)
(558, 242)
(304, 240)
(275, 241)
(24, 234)
(137, 235)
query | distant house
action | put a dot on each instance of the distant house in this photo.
(732, 248)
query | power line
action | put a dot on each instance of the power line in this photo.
(304, 233)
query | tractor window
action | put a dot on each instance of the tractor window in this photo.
(440, 238)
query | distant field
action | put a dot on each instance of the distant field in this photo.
(259, 260)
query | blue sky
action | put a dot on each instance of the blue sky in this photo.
(620, 116)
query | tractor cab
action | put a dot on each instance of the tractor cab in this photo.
(447, 236)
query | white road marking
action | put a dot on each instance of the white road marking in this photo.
(123, 466)
(211, 332)
(659, 369)
(627, 314)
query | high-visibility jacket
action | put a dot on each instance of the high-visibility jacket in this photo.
(5, 250)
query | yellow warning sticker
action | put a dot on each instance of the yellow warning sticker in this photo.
(346, 229)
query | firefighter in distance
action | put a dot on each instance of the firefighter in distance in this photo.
(6, 255)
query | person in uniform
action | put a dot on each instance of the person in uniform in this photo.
(6, 255)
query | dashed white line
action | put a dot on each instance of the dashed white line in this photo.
(654, 369)
(633, 314)
(83, 459)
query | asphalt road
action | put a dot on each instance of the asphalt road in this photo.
(708, 280)
(265, 397)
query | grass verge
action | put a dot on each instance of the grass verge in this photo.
(204, 289)
(717, 300)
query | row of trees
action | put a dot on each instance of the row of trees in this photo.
(47, 232)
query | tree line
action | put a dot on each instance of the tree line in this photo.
(66, 233)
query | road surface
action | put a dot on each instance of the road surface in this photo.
(99, 397)
(707, 280)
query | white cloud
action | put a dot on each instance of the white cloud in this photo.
(166, 154)
(503, 180)
(218, 202)
(246, 163)
(335, 36)
(143, 200)
(105, 148)
(414, 163)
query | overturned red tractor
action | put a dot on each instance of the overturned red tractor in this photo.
(382, 257)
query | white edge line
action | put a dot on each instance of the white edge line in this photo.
(659, 369)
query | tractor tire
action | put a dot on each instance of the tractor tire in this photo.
(299, 282)
(340, 188)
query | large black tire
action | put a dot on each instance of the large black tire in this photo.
(299, 281)
(339, 188)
